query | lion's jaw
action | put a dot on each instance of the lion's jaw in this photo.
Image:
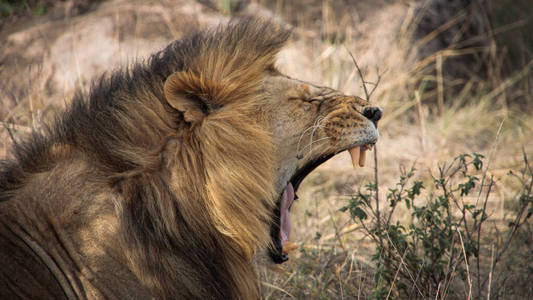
(310, 125)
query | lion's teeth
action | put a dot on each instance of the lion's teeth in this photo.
(354, 153)
(288, 247)
(362, 156)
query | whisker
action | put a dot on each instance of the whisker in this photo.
(314, 127)
(311, 144)
(319, 121)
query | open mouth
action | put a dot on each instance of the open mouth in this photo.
(281, 225)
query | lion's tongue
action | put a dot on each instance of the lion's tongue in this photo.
(285, 222)
(358, 155)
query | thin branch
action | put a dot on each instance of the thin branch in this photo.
(491, 270)
(375, 86)
(376, 171)
(402, 262)
(491, 154)
(526, 162)
(376, 182)
(360, 75)
(478, 225)
(518, 221)
(450, 268)
(466, 263)
(376, 177)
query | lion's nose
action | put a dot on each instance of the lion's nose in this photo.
(372, 113)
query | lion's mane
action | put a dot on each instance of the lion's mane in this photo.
(191, 173)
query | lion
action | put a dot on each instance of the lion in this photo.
(170, 176)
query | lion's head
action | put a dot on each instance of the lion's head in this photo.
(267, 130)
(200, 151)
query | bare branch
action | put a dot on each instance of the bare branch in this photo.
(375, 87)
(361, 76)
(376, 173)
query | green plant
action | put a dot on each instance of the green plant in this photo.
(7, 8)
(16, 7)
(40, 9)
(438, 247)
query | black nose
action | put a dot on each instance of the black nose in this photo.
(372, 113)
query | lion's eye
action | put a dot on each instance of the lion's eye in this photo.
(314, 100)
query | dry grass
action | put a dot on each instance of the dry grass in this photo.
(430, 115)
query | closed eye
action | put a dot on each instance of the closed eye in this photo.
(315, 100)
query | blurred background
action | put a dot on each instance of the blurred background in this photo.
(452, 76)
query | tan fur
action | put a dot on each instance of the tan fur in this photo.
(163, 182)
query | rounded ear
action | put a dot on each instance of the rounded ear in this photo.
(181, 92)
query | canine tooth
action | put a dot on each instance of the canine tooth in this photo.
(362, 156)
(288, 247)
(354, 153)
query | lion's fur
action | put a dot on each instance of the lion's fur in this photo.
(166, 180)
(185, 175)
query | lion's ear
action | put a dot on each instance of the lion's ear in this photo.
(183, 92)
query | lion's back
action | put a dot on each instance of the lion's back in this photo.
(22, 274)
(59, 239)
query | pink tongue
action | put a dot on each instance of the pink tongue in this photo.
(285, 221)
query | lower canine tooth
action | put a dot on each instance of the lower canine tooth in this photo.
(288, 246)
(362, 156)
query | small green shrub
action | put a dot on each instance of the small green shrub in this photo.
(436, 253)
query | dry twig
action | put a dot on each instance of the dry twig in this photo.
(376, 177)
